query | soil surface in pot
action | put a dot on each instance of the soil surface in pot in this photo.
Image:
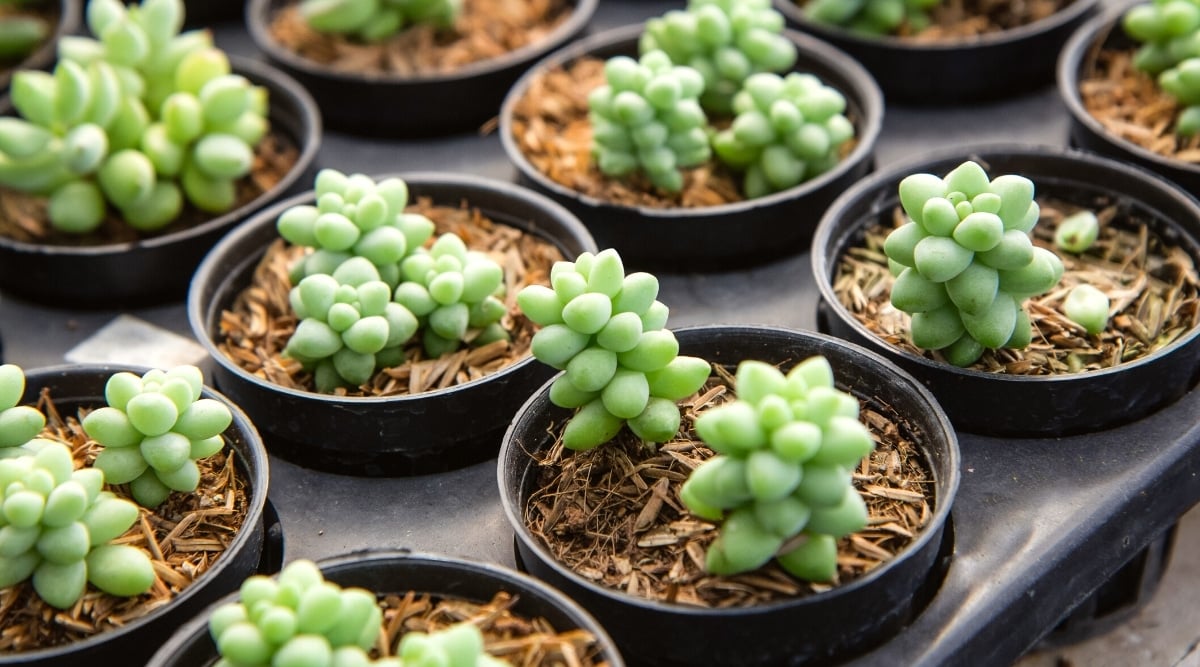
(551, 127)
(46, 11)
(963, 19)
(1130, 105)
(485, 29)
(613, 514)
(184, 537)
(507, 635)
(258, 327)
(1153, 289)
(23, 216)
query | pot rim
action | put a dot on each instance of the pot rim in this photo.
(941, 514)
(865, 91)
(992, 39)
(197, 311)
(308, 145)
(259, 483)
(833, 221)
(256, 23)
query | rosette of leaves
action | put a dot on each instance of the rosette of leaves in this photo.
(1169, 31)
(726, 41)
(18, 423)
(453, 291)
(647, 118)
(460, 645)
(872, 17)
(349, 325)
(153, 429)
(21, 33)
(375, 20)
(780, 483)
(299, 620)
(354, 217)
(964, 263)
(1183, 83)
(140, 117)
(56, 524)
(605, 329)
(787, 130)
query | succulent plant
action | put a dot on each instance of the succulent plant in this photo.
(786, 447)
(153, 429)
(605, 329)
(647, 117)
(56, 526)
(1169, 31)
(21, 33)
(18, 423)
(1088, 307)
(1183, 83)
(725, 41)
(140, 118)
(787, 131)
(964, 263)
(374, 20)
(872, 17)
(1077, 232)
(459, 645)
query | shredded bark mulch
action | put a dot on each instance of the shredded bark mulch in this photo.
(965, 19)
(23, 216)
(184, 537)
(1130, 105)
(255, 332)
(521, 641)
(485, 29)
(1153, 291)
(613, 514)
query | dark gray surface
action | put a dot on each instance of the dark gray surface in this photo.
(1039, 523)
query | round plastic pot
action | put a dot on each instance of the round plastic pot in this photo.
(158, 268)
(398, 572)
(1105, 32)
(1025, 405)
(379, 436)
(395, 105)
(73, 387)
(43, 56)
(976, 69)
(729, 236)
(204, 13)
(820, 628)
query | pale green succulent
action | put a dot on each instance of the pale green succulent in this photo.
(872, 17)
(374, 20)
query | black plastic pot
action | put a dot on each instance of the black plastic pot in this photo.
(73, 387)
(820, 628)
(396, 435)
(1104, 32)
(716, 237)
(392, 105)
(399, 572)
(158, 269)
(963, 70)
(43, 56)
(1021, 405)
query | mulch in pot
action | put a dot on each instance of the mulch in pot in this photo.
(954, 20)
(485, 29)
(613, 514)
(257, 329)
(184, 537)
(1154, 290)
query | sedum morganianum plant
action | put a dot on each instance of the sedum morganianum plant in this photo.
(964, 262)
(376, 20)
(605, 329)
(726, 41)
(872, 17)
(1183, 83)
(647, 118)
(1170, 32)
(154, 429)
(787, 130)
(780, 483)
(140, 118)
(18, 423)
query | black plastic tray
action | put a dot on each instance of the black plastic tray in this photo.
(1039, 523)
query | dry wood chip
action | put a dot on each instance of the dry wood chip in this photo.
(895, 494)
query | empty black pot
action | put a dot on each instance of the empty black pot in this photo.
(398, 572)
(396, 435)
(716, 237)
(1023, 405)
(1105, 32)
(820, 628)
(394, 105)
(73, 387)
(158, 268)
(976, 69)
